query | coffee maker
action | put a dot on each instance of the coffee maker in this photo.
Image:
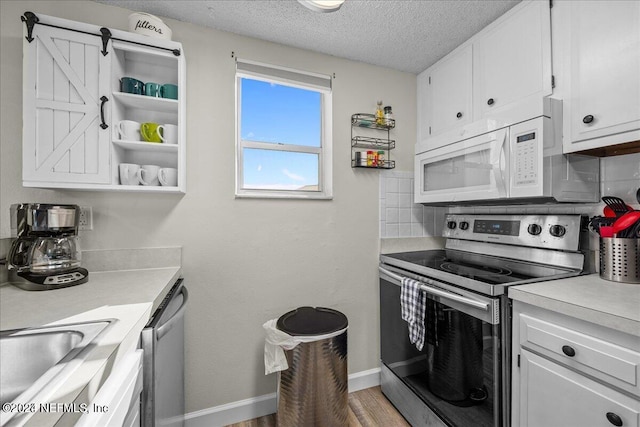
(46, 252)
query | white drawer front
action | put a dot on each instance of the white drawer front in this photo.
(610, 362)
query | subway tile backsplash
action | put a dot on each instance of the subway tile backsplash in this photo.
(400, 217)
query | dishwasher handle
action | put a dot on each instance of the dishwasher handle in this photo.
(163, 329)
(439, 292)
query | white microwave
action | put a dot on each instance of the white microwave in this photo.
(521, 163)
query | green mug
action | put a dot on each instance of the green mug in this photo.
(149, 132)
(169, 91)
(152, 89)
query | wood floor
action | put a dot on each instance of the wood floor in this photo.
(367, 408)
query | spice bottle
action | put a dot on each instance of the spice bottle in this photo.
(369, 158)
(380, 162)
(388, 116)
(379, 114)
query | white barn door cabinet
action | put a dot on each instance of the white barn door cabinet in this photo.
(72, 104)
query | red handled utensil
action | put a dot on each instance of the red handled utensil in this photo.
(617, 206)
(606, 231)
(609, 213)
(625, 221)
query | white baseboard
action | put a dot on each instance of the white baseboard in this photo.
(260, 406)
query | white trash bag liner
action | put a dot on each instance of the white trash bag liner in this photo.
(277, 341)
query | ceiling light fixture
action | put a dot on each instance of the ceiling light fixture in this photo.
(323, 6)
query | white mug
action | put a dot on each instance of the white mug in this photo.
(168, 177)
(168, 133)
(148, 175)
(129, 174)
(129, 130)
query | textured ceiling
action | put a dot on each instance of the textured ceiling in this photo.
(406, 35)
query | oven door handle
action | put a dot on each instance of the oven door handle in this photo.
(439, 292)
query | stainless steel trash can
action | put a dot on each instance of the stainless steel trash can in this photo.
(314, 390)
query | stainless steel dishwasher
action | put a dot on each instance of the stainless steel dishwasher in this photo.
(163, 365)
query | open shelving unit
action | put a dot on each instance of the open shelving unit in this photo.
(364, 121)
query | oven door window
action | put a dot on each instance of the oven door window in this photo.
(457, 372)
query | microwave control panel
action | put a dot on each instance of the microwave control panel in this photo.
(526, 158)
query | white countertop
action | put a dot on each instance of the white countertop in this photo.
(590, 298)
(128, 297)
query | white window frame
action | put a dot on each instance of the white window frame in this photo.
(298, 79)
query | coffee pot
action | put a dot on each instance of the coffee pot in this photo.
(46, 252)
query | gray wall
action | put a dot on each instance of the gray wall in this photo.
(245, 261)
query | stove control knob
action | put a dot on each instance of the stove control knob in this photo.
(464, 225)
(451, 225)
(534, 229)
(557, 230)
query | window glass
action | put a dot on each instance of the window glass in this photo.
(275, 113)
(280, 170)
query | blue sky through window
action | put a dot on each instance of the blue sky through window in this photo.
(279, 114)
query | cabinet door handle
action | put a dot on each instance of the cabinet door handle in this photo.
(587, 119)
(614, 419)
(459, 115)
(103, 100)
(568, 350)
(490, 101)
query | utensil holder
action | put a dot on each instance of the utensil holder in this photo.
(620, 259)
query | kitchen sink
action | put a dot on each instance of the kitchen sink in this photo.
(36, 361)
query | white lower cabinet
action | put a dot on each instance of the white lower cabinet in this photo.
(568, 372)
(552, 395)
(118, 400)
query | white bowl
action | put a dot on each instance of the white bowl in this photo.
(149, 25)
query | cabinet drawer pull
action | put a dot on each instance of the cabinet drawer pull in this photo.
(490, 101)
(614, 419)
(103, 100)
(587, 119)
(459, 115)
(568, 350)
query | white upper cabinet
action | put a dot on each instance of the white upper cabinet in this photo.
(73, 103)
(599, 46)
(493, 80)
(512, 60)
(448, 93)
(64, 82)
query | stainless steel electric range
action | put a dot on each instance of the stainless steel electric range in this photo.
(461, 376)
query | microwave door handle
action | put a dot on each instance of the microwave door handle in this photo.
(440, 293)
(498, 174)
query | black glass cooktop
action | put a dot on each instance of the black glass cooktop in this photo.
(483, 268)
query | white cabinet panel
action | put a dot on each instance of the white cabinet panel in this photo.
(73, 104)
(423, 115)
(449, 92)
(63, 84)
(551, 395)
(512, 61)
(569, 372)
(603, 41)
(117, 403)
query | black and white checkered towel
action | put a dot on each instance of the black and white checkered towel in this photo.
(413, 304)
